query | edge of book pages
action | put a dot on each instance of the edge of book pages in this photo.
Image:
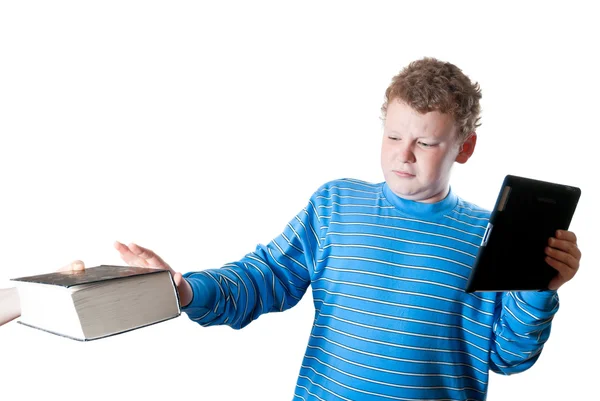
(97, 338)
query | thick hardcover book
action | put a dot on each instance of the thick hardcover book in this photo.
(98, 301)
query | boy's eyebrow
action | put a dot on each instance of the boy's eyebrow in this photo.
(421, 135)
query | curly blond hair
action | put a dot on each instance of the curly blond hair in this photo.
(429, 84)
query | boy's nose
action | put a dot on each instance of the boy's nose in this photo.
(406, 153)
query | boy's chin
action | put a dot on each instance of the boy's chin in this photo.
(404, 192)
(415, 194)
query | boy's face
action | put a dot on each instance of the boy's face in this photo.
(418, 151)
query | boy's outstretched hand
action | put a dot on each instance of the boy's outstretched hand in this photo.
(563, 255)
(135, 255)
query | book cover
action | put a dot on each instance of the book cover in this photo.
(88, 275)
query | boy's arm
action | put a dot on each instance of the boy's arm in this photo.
(522, 326)
(523, 319)
(272, 278)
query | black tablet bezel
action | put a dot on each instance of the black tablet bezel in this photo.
(526, 214)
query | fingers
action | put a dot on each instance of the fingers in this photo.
(76, 265)
(135, 255)
(148, 255)
(128, 256)
(565, 257)
(565, 273)
(566, 235)
(563, 269)
(563, 246)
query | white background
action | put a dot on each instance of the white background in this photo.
(199, 130)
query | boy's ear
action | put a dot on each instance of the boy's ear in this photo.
(467, 148)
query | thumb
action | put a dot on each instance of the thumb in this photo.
(76, 265)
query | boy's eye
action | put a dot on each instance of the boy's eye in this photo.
(426, 145)
(394, 138)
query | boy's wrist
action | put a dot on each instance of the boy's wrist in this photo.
(186, 293)
(202, 292)
(542, 300)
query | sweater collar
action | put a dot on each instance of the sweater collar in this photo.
(420, 209)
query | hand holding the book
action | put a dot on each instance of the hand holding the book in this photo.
(73, 266)
(135, 255)
(563, 255)
(10, 307)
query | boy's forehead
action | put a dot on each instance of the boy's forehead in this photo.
(402, 116)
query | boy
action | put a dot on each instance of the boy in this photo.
(388, 264)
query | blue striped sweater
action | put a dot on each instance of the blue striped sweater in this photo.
(388, 276)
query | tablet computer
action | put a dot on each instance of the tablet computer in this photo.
(527, 213)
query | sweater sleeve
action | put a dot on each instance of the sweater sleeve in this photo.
(521, 328)
(273, 278)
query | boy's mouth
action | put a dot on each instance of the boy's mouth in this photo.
(403, 174)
